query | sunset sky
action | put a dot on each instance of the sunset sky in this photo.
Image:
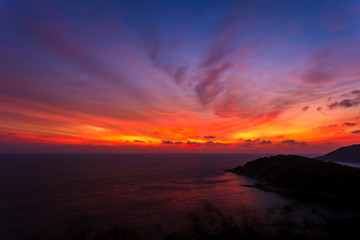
(179, 76)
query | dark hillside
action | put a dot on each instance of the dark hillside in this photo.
(344, 154)
(302, 176)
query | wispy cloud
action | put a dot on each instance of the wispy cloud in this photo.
(156, 52)
(330, 64)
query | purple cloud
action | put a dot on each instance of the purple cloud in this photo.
(209, 137)
(349, 124)
(265, 142)
(329, 126)
(170, 142)
(210, 86)
(193, 143)
(155, 49)
(305, 108)
(212, 143)
(292, 142)
(346, 103)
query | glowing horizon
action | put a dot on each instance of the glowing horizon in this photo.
(179, 77)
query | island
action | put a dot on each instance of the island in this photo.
(303, 177)
(343, 154)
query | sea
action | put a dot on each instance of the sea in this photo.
(81, 196)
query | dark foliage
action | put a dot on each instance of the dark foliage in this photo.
(293, 221)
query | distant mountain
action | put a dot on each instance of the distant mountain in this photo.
(344, 154)
(303, 177)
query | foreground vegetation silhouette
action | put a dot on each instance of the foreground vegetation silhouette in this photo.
(296, 221)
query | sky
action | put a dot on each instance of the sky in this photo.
(179, 76)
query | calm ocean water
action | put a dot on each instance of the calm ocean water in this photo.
(53, 196)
